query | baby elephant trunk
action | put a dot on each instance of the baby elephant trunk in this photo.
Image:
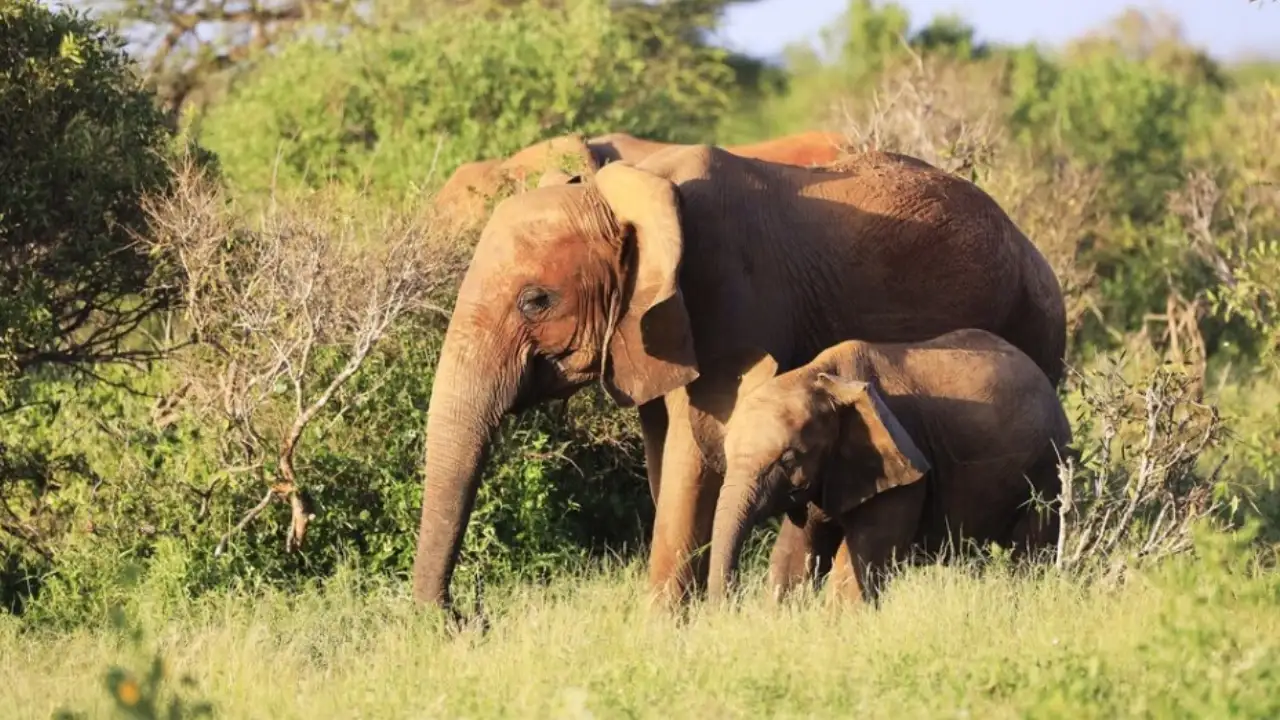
(740, 504)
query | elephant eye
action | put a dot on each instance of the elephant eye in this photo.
(534, 301)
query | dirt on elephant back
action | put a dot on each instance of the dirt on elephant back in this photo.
(877, 164)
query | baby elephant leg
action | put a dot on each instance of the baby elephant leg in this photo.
(1035, 528)
(841, 583)
(1035, 531)
(802, 554)
(877, 534)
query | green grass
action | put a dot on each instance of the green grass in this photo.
(1191, 639)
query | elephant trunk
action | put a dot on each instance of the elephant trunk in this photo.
(739, 504)
(475, 385)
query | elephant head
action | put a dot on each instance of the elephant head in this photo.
(464, 195)
(571, 283)
(805, 436)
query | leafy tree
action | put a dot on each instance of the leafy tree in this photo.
(1123, 116)
(192, 50)
(83, 143)
(399, 107)
(950, 34)
(1129, 99)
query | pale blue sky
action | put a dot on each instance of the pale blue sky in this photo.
(1226, 28)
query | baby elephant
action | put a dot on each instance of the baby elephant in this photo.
(905, 446)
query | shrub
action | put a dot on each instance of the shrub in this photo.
(399, 108)
(83, 142)
(293, 311)
(1116, 114)
(1150, 473)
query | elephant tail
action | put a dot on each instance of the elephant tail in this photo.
(1038, 323)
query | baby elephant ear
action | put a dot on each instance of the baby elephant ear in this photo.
(875, 452)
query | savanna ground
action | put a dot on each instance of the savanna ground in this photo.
(1194, 639)
(226, 290)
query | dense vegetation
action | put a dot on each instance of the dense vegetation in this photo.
(221, 316)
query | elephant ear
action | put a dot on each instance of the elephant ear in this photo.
(874, 453)
(651, 349)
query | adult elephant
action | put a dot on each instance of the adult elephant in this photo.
(665, 278)
(472, 184)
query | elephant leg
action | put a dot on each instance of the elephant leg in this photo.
(653, 430)
(841, 582)
(877, 534)
(1035, 527)
(1035, 530)
(685, 511)
(802, 553)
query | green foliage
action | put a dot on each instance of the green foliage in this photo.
(399, 107)
(870, 35)
(950, 35)
(131, 485)
(1140, 118)
(1124, 116)
(84, 145)
(861, 41)
(1232, 211)
(115, 483)
(83, 142)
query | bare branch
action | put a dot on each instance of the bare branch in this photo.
(289, 312)
(249, 517)
(1116, 512)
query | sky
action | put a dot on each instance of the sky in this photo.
(1227, 29)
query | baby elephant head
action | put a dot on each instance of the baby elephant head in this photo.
(801, 437)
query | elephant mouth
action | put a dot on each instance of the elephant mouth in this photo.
(544, 381)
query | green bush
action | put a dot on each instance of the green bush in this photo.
(399, 108)
(128, 487)
(83, 146)
(1136, 120)
(83, 142)
(1122, 115)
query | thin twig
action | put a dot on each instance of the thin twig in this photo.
(249, 517)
